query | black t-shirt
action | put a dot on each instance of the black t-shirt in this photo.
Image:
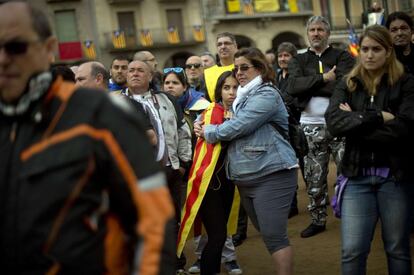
(406, 60)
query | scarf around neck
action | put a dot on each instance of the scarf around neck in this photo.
(242, 92)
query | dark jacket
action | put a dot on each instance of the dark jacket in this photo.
(305, 79)
(369, 141)
(76, 178)
(406, 60)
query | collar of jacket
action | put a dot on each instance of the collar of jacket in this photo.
(37, 86)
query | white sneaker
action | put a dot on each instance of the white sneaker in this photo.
(233, 268)
(195, 268)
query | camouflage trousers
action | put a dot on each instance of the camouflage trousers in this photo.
(321, 146)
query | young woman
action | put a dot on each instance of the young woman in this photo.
(374, 109)
(191, 102)
(260, 161)
(210, 195)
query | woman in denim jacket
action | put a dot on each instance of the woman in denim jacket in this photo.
(260, 161)
(374, 109)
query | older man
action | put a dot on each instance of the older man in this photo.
(401, 28)
(92, 75)
(312, 78)
(79, 190)
(194, 71)
(208, 60)
(149, 58)
(174, 130)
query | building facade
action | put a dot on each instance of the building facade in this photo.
(175, 29)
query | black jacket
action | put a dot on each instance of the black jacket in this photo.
(369, 141)
(77, 177)
(305, 79)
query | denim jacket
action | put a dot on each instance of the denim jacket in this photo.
(256, 148)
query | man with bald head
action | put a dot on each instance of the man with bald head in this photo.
(149, 58)
(79, 190)
(194, 71)
(92, 74)
(171, 129)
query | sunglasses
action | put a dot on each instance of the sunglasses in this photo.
(242, 68)
(177, 70)
(16, 47)
(191, 66)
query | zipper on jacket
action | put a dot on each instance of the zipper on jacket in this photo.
(13, 132)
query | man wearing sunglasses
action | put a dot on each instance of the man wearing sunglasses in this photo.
(194, 71)
(79, 191)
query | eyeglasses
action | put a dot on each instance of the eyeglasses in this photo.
(191, 66)
(177, 70)
(16, 47)
(242, 68)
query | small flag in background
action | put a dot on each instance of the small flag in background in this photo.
(353, 40)
(146, 38)
(248, 7)
(172, 35)
(89, 49)
(118, 39)
(198, 33)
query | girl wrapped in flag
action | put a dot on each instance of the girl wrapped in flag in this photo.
(209, 194)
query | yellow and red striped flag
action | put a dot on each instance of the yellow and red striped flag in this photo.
(145, 38)
(89, 49)
(248, 7)
(198, 33)
(118, 39)
(172, 35)
(205, 159)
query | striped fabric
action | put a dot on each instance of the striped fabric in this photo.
(204, 163)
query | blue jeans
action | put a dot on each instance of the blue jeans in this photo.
(367, 199)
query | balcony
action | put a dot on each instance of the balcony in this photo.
(112, 2)
(154, 38)
(57, 1)
(217, 10)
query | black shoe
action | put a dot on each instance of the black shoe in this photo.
(238, 239)
(312, 230)
(293, 212)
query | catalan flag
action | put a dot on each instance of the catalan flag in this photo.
(118, 39)
(145, 38)
(293, 6)
(89, 49)
(205, 160)
(353, 46)
(172, 35)
(248, 7)
(198, 33)
(233, 6)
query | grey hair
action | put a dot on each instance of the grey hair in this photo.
(317, 18)
(287, 47)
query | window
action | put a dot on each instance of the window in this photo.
(66, 29)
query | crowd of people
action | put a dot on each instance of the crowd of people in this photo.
(113, 170)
